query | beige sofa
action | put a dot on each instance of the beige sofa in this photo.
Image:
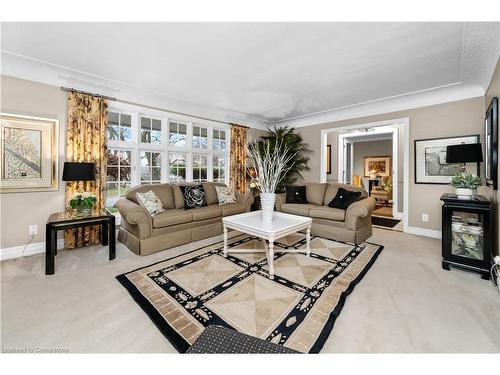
(145, 234)
(352, 225)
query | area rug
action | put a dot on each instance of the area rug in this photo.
(297, 308)
(385, 221)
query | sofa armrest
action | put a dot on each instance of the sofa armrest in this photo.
(280, 199)
(246, 199)
(136, 217)
(359, 213)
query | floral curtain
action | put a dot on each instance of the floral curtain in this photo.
(237, 174)
(86, 142)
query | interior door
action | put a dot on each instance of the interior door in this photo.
(347, 167)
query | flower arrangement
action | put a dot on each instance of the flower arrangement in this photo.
(373, 173)
(83, 201)
(466, 181)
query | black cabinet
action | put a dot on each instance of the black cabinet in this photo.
(467, 233)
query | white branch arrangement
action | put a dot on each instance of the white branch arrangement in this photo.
(271, 166)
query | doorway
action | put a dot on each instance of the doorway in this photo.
(374, 156)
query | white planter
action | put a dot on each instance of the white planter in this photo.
(464, 193)
(267, 201)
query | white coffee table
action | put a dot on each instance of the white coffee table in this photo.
(281, 226)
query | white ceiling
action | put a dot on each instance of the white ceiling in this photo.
(269, 71)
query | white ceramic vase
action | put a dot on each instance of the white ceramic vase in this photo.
(267, 201)
(465, 193)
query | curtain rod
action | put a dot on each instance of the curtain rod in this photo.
(70, 89)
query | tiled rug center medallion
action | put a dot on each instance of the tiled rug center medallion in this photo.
(297, 308)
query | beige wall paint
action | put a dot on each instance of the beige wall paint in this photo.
(333, 139)
(367, 149)
(494, 90)
(458, 118)
(19, 210)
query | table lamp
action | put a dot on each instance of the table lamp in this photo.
(73, 171)
(464, 153)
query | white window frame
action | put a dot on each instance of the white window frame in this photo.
(136, 146)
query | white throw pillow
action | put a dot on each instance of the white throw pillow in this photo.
(225, 195)
(151, 202)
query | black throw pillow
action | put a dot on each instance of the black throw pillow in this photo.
(295, 194)
(194, 196)
(344, 198)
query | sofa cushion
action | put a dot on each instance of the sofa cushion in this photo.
(296, 194)
(315, 192)
(233, 209)
(225, 195)
(194, 196)
(150, 201)
(344, 198)
(162, 191)
(210, 192)
(327, 213)
(178, 195)
(172, 217)
(332, 190)
(298, 209)
(207, 212)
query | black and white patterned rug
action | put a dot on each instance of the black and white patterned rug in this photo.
(296, 309)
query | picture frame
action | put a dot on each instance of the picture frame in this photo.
(329, 159)
(491, 144)
(430, 159)
(28, 153)
(381, 163)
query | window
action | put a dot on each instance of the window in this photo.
(150, 167)
(119, 172)
(150, 130)
(177, 134)
(200, 137)
(219, 168)
(219, 139)
(200, 168)
(176, 166)
(119, 127)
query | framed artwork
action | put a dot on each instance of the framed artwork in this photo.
(430, 160)
(29, 153)
(329, 159)
(491, 141)
(382, 164)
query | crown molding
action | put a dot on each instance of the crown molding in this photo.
(424, 98)
(24, 67)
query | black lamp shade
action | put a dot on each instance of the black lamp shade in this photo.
(464, 153)
(78, 171)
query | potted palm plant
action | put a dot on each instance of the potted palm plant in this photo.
(465, 185)
(271, 165)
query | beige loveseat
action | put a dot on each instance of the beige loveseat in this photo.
(351, 225)
(145, 234)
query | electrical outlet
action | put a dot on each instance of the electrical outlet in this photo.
(33, 229)
(425, 218)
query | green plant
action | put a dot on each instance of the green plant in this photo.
(83, 200)
(293, 145)
(466, 181)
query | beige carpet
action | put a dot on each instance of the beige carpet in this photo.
(405, 304)
(297, 308)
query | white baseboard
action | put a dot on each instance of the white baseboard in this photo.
(399, 215)
(31, 249)
(424, 232)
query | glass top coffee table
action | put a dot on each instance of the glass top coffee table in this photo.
(281, 226)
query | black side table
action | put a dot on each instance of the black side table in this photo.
(467, 233)
(66, 220)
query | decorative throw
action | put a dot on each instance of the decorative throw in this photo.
(225, 194)
(295, 194)
(344, 198)
(86, 142)
(194, 196)
(151, 202)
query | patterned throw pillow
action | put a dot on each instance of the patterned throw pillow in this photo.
(151, 202)
(225, 195)
(194, 196)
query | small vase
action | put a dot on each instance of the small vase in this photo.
(267, 202)
(464, 193)
(81, 210)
